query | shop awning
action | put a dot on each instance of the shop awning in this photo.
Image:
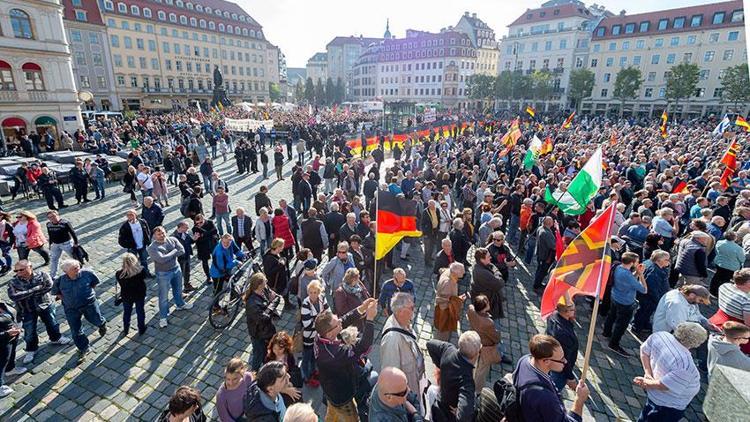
(14, 122)
(45, 121)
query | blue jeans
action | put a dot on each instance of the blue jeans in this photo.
(165, 280)
(530, 249)
(653, 413)
(512, 230)
(30, 319)
(92, 314)
(264, 245)
(99, 188)
(258, 353)
(140, 313)
(223, 217)
(142, 255)
(206, 184)
(308, 362)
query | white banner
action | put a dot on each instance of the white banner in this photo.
(247, 125)
(429, 115)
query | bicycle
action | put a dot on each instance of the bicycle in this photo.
(226, 304)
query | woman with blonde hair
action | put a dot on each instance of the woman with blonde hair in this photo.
(29, 236)
(131, 278)
(230, 397)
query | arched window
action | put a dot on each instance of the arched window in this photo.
(221, 27)
(208, 9)
(193, 21)
(226, 15)
(234, 16)
(122, 8)
(6, 77)
(179, 3)
(183, 19)
(199, 8)
(237, 30)
(147, 12)
(172, 17)
(21, 24)
(189, 6)
(244, 31)
(242, 18)
(162, 16)
(252, 33)
(135, 10)
(230, 29)
(33, 75)
(218, 12)
(202, 23)
(211, 25)
(108, 5)
(260, 35)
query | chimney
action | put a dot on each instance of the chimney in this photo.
(474, 15)
(622, 12)
(466, 14)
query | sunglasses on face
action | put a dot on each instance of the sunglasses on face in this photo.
(561, 362)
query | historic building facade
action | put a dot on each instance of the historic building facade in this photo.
(342, 53)
(317, 67)
(37, 91)
(711, 36)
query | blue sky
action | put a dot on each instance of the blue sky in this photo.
(302, 27)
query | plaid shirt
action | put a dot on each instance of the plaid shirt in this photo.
(33, 294)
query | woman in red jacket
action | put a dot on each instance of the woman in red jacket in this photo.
(282, 229)
(29, 236)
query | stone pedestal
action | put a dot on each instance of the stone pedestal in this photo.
(728, 395)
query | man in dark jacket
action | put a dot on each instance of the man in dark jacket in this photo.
(314, 234)
(262, 200)
(305, 192)
(461, 243)
(135, 236)
(79, 179)
(344, 381)
(430, 223)
(333, 222)
(265, 390)
(242, 229)
(369, 189)
(457, 389)
(186, 239)
(152, 213)
(560, 326)
(545, 251)
(47, 183)
(486, 280)
(656, 273)
(536, 392)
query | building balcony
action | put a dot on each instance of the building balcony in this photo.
(24, 96)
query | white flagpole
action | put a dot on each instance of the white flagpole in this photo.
(592, 325)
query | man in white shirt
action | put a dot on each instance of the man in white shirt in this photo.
(670, 378)
(145, 182)
(680, 305)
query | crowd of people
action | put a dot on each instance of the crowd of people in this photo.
(675, 248)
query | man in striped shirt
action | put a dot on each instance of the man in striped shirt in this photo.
(670, 378)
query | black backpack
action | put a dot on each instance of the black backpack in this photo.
(509, 397)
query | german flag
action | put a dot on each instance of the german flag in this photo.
(568, 121)
(741, 122)
(663, 125)
(730, 157)
(680, 186)
(546, 146)
(531, 111)
(583, 265)
(396, 219)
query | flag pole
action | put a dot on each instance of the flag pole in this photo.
(375, 246)
(592, 325)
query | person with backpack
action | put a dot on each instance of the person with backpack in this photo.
(457, 389)
(536, 397)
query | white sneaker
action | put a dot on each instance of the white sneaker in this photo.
(62, 341)
(18, 370)
(29, 357)
(162, 322)
(185, 307)
(5, 391)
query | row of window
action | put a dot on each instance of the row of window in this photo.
(651, 77)
(137, 27)
(673, 42)
(407, 45)
(407, 67)
(422, 92)
(184, 49)
(519, 47)
(680, 22)
(532, 64)
(649, 92)
(184, 20)
(708, 56)
(32, 77)
(85, 82)
(417, 79)
(190, 84)
(123, 8)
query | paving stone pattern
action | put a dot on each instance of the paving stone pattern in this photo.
(132, 378)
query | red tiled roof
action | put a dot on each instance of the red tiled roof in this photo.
(93, 16)
(707, 10)
(364, 41)
(563, 11)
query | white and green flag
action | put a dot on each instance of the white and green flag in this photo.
(581, 189)
(532, 154)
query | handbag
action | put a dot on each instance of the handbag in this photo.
(118, 297)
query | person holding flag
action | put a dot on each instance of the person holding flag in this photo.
(663, 126)
(566, 124)
(581, 189)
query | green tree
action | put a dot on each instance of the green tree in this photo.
(320, 93)
(480, 87)
(627, 84)
(274, 92)
(681, 82)
(340, 91)
(309, 91)
(580, 86)
(299, 91)
(541, 84)
(735, 85)
(502, 85)
(330, 92)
